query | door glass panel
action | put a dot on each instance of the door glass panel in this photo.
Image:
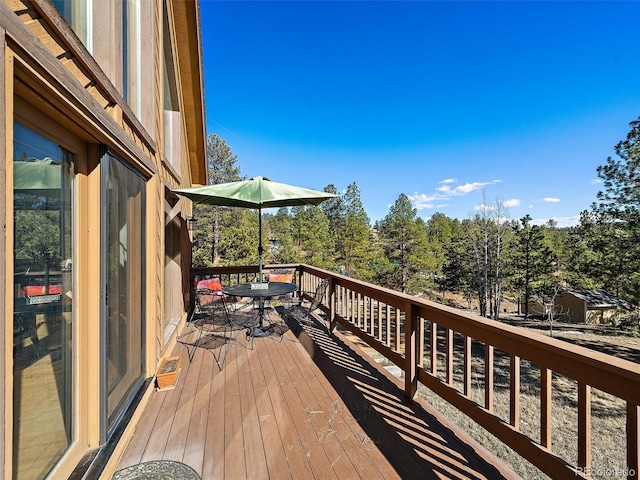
(124, 266)
(173, 299)
(43, 310)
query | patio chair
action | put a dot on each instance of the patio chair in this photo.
(212, 325)
(316, 301)
(284, 277)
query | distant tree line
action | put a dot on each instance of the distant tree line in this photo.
(484, 258)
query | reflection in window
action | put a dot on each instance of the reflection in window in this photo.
(43, 291)
(124, 283)
(77, 15)
(171, 103)
(131, 47)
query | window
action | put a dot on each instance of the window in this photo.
(43, 323)
(123, 287)
(77, 13)
(131, 48)
(173, 300)
(171, 105)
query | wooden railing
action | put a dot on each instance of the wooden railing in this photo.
(421, 337)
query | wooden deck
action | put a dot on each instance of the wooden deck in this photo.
(308, 406)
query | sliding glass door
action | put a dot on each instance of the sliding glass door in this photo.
(123, 287)
(43, 320)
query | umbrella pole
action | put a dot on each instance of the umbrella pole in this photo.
(259, 244)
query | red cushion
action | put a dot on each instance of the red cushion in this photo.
(35, 290)
(210, 283)
(281, 277)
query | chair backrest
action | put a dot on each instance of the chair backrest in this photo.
(208, 293)
(281, 277)
(209, 284)
(321, 289)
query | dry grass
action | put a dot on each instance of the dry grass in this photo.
(608, 417)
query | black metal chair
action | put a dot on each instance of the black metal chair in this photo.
(211, 326)
(316, 301)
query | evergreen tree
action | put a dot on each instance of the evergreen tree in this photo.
(533, 257)
(354, 236)
(614, 223)
(221, 168)
(403, 238)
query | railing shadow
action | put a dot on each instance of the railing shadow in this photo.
(413, 440)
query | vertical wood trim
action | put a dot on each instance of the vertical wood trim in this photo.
(584, 426)
(372, 316)
(449, 373)
(514, 391)
(467, 366)
(545, 407)
(433, 348)
(633, 441)
(6, 360)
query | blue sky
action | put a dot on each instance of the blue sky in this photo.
(444, 101)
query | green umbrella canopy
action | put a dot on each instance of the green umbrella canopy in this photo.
(37, 177)
(256, 193)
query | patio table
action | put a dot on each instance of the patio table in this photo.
(259, 291)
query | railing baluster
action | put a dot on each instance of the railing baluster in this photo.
(397, 328)
(449, 373)
(410, 370)
(545, 407)
(633, 440)
(514, 391)
(380, 337)
(488, 377)
(387, 327)
(372, 317)
(584, 426)
(420, 342)
(433, 349)
(467, 366)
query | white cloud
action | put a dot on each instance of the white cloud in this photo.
(596, 181)
(445, 191)
(514, 202)
(560, 221)
(551, 199)
(464, 189)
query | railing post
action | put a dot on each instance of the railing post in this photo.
(633, 441)
(584, 426)
(410, 350)
(332, 304)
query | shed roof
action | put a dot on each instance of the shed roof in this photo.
(598, 298)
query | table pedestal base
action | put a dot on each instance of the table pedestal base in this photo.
(260, 331)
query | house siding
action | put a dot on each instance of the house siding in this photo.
(53, 84)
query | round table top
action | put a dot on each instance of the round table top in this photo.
(273, 289)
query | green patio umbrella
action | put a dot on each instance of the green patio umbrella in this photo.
(256, 193)
(37, 177)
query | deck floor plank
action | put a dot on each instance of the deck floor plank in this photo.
(274, 450)
(256, 462)
(276, 411)
(298, 412)
(294, 453)
(196, 438)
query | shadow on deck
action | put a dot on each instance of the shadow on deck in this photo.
(306, 405)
